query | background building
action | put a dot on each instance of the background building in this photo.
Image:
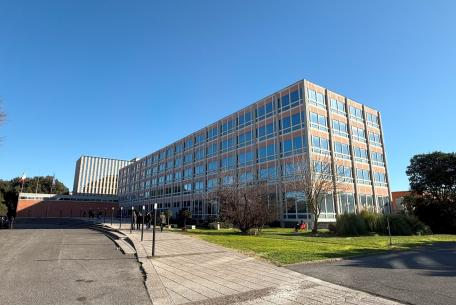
(95, 175)
(263, 141)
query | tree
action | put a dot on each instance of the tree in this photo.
(433, 184)
(185, 214)
(314, 179)
(433, 176)
(246, 206)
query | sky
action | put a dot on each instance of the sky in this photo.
(121, 79)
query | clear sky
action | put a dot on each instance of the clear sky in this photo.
(121, 79)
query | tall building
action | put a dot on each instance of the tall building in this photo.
(95, 175)
(263, 141)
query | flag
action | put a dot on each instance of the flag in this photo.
(23, 177)
(53, 180)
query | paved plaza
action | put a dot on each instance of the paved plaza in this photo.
(187, 270)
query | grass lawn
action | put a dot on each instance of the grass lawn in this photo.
(282, 246)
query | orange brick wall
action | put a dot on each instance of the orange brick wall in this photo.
(63, 208)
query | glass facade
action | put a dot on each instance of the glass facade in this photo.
(263, 142)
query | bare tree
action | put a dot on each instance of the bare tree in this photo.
(315, 179)
(246, 206)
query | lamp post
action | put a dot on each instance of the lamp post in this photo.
(153, 230)
(120, 224)
(112, 215)
(388, 223)
(132, 211)
(142, 222)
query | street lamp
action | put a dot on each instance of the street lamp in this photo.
(120, 224)
(153, 230)
(132, 211)
(112, 215)
(142, 222)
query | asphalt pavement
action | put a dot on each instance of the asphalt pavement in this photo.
(62, 261)
(423, 276)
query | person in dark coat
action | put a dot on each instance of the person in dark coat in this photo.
(138, 220)
(147, 220)
(135, 217)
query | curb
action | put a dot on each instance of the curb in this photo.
(124, 244)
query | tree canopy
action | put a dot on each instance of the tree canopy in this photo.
(433, 176)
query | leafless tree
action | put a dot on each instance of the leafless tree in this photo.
(246, 206)
(315, 179)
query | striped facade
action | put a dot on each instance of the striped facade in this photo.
(263, 141)
(95, 175)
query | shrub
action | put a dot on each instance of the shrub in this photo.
(351, 225)
(371, 220)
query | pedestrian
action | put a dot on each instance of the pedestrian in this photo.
(148, 219)
(133, 222)
(138, 220)
(162, 221)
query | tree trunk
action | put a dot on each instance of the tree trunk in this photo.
(315, 225)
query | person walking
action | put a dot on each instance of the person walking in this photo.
(148, 220)
(138, 220)
(162, 221)
(133, 222)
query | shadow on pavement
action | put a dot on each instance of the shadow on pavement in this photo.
(50, 223)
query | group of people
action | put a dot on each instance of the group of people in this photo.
(301, 226)
(148, 220)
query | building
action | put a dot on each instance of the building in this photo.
(398, 199)
(262, 141)
(52, 205)
(95, 175)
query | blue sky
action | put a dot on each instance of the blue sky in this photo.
(123, 78)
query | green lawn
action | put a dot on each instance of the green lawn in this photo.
(282, 246)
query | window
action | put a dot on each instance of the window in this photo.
(345, 173)
(228, 144)
(178, 162)
(187, 188)
(228, 162)
(179, 148)
(338, 106)
(246, 177)
(200, 170)
(347, 203)
(245, 119)
(161, 167)
(200, 138)
(358, 134)
(366, 202)
(228, 126)
(269, 173)
(212, 166)
(199, 186)
(245, 138)
(374, 139)
(295, 97)
(169, 178)
(360, 154)
(380, 179)
(162, 155)
(212, 183)
(341, 150)
(372, 120)
(170, 152)
(316, 98)
(284, 102)
(161, 180)
(212, 149)
(246, 158)
(228, 180)
(290, 123)
(320, 145)
(266, 153)
(265, 132)
(356, 113)
(339, 128)
(321, 167)
(318, 121)
(188, 158)
(188, 173)
(363, 176)
(199, 154)
(212, 132)
(170, 164)
(178, 176)
(377, 158)
(291, 146)
(188, 144)
(264, 111)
